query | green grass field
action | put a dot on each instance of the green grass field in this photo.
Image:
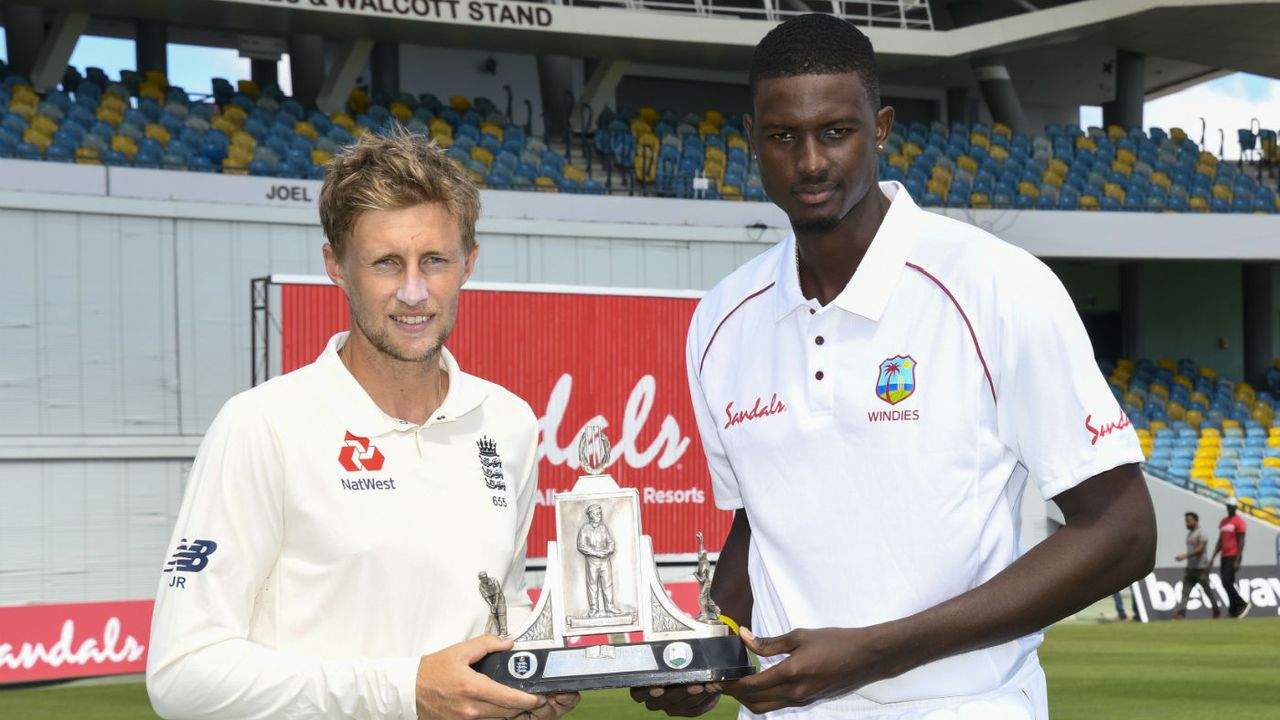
(1163, 671)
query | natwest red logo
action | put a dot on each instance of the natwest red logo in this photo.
(1106, 428)
(358, 454)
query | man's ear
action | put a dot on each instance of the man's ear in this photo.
(333, 267)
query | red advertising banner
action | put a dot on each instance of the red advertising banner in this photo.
(577, 358)
(56, 642)
(44, 642)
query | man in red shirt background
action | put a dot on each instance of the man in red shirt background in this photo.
(1231, 545)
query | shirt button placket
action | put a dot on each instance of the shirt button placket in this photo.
(820, 380)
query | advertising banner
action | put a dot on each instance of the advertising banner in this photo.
(1157, 595)
(44, 642)
(577, 358)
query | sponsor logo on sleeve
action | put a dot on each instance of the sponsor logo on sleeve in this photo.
(1101, 430)
(189, 557)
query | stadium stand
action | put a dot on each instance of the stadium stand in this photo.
(142, 121)
(1204, 432)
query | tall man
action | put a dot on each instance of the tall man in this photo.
(925, 372)
(1197, 567)
(1231, 545)
(340, 512)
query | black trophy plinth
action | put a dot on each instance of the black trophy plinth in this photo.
(596, 667)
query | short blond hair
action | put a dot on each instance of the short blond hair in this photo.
(393, 171)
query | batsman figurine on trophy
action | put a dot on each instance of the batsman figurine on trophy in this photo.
(601, 579)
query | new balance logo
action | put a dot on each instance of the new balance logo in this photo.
(357, 455)
(191, 557)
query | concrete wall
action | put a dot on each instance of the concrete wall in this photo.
(449, 71)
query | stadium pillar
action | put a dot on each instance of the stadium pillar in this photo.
(385, 63)
(151, 44)
(56, 49)
(1259, 322)
(1131, 91)
(602, 85)
(959, 106)
(556, 78)
(991, 72)
(348, 63)
(23, 34)
(306, 67)
(264, 72)
(1131, 310)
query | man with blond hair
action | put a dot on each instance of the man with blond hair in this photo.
(335, 518)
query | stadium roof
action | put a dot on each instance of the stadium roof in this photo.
(1060, 51)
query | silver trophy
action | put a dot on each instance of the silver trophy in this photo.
(601, 579)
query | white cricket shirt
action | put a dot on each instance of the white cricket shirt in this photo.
(881, 444)
(323, 546)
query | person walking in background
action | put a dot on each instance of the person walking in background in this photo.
(1197, 567)
(1231, 545)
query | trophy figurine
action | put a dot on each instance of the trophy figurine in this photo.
(601, 579)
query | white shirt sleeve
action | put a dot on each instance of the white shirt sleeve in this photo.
(1056, 411)
(724, 483)
(201, 663)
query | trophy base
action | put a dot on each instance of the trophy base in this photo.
(596, 667)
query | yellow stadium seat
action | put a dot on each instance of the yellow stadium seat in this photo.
(44, 124)
(939, 187)
(1198, 204)
(306, 129)
(110, 115)
(1002, 129)
(1273, 432)
(1176, 411)
(575, 173)
(87, 156)
(123, 144)
(235, 114)
(980, 140)
(153, 92)
(159, 133)
(476, 178)
(713, 154)
(400, 111)
(439, 127)
(979, 200)
(651, 116)
(493, 129)
(1115, 132)
(343, 119)
(443, 141)
(715, 117)
(911, 150)
(244, 140)
(1195, 418)
(940, 172)
(320, 157)
(1028, 188)
(730, 192)
(737, 141)
(1123, 168)
(26, 109)
(1089, 202)
(1126, 156)
(1113, 190)
(250, 88)
(545, 184)
(1085, 142)
(900, 161)
(1223, 191)
(461, 103)
(482, 154)
(234, 166)
(1051, 178)
(1177, 134)
(1158, 425)
(1271, 462)
(37, 138)
(965, 162)
(705, 128)
(223, 125)
(157, 78)
(1229, 423)
(999, 153)
(1160, 179)
(1058, 167)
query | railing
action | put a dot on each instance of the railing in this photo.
(908, 14)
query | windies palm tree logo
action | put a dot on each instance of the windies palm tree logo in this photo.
(897, 379)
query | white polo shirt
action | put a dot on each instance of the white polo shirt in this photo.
(880, 445)
(323, 546)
